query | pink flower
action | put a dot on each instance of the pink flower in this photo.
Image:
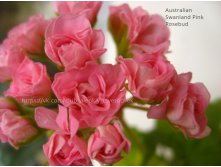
(90, 9)
(94, 94)
(63, 121)
(106, 144)
(62, 149)
(29, 35)
(185, 107)
(72, 47)
(15, 129)
(146, 33)
(10, 58)
(31, 81)
(149, 76)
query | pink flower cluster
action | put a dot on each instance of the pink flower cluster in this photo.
(86, 125)
(152, 78)
(67, 146)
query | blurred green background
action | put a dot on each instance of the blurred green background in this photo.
(164, 145)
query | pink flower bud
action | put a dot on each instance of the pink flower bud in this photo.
(72, 47)
(106, 144)
(144, 32)
(31, 81)
(61, 149)
(15, 129)
(185, 107)
(149, 76)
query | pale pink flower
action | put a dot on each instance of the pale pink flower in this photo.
(31, 81)
(72, 47)
(62, 149)
(185, 107)
(15, 129)
(29, 35)
(94, 94)
(88, 8)
(149, 76)
(106, 144)
(144, 32)
(10, 58)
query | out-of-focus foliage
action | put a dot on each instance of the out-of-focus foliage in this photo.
(165, 145)
(28, 155)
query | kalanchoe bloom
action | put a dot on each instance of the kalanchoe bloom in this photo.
(29, 35)
(143, 32)
(149, 76)
(62, 149)
(15, 129)
(63, 121)
(72, 47)
(30, 82)
(90, 9)
(185, 107)
(10, 58)
(106, 144)
(94, 94)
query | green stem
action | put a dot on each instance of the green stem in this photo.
(23, 110)
(28, 110)
(138, 101)
(129, 100)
